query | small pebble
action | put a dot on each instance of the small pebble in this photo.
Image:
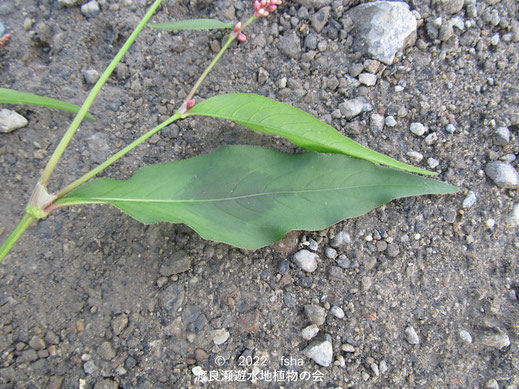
(331, 253)
(337, 312)
(502, 136)
(310, 332)
(11, 120)
(490, 223)
(382, 366)
(513, 217)
(465, 336)
(219, 336)
(450, 128)
(503, 174)
(348, 348)
(411, 336)
(469, 200)
(418, 129)
(390, 121)
(368, 79)
(315, 314)
(90, 9)
(431, 139)
(432, 162)
(320, 351)
(306, 260)
(415, 156)
(91, 76)
(492, 384)
(354, 107)
(341, 240)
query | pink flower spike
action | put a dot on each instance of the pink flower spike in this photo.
(257, 6)
(190, 104)
(236, 29)
(242, 37)
(272, 8)
(263, 3)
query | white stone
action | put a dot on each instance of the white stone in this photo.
(220, 336)
(306, 260)
(411, 335)
(310, 332)
(513, 218)
(321, 351)
(11, 120)
(368, 79)
(418, 129)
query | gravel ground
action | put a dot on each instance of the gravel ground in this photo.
(421, 293)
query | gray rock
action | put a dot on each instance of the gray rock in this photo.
(306, 260)
(390, 121)
(381, 29)
(513, 217)
(68, 3)
(172, 298)
(354, 107)
(331, 253)
(503, 174)
(51, 338)
(119, 324)
(431, 139)
(320, 350)
(106, 383)
(90, 367)
(310, 332)
(314, 3)
(178, 262)
(368, 79)
(106, 351)
(377, 121)
(91, 76)
(27, 356)
(311, 41)
(418, 129)
(37, 343)
(341, 240)
(382, 366)
(337, 312)
(320, 18)
(469, 200)
(492, 384)
(465, 336)
(495, 339)
(315, 314)
(2, 29)
(450, 128)
(515, 30)
(454, 6)
(432, 162)
(98, 147)
(502, 136)
(10, 121)
(415, 156)
(355, 69)
(345, 263)
(290, 45)
(263, 76)
(90, 9)
(411, 336)
(219, 336)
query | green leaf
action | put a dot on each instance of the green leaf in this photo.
(10, 96)
(192, 24)
(272, 117)
(250, 196)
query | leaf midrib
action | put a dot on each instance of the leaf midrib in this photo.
(288, 192)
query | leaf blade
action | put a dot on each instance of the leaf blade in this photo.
(265, 115)
(192, 24)
(250, 196)
(11, 96)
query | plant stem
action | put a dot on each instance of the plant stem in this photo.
(15, 235)
(116, 156)
(210, 67)
(92, 95)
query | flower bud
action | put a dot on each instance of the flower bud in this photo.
(190, 104)
(242, 37)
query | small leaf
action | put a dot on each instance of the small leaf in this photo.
(11, 96)
(272, 117)
(192, 24)
(251, 196)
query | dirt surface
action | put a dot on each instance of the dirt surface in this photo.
(91, 298)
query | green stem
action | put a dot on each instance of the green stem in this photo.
(15, 235)
(91, 97)
(215, 60)
(92, 173)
